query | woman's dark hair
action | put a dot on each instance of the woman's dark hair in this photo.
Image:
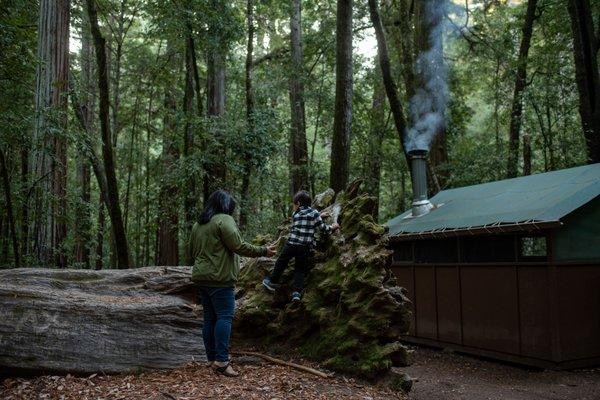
(220, 202)
(302, 198)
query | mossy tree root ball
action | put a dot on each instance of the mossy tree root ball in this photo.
(352, 314)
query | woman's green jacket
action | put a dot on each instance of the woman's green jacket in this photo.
(213, 248)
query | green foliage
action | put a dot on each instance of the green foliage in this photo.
(481, 49)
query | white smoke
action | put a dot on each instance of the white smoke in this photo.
(428, 105)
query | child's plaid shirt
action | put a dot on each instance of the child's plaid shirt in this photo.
(305, 222)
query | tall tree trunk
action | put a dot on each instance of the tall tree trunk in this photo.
(24, 206)
(49, 159)
(298, 146)
(405, 35)
(520, 84)
(112, 196)
(526, 155)
(249, 115)
(168, 215)
(119, 34)
(9, 210)
(376, 134)
(116, 69)
(342, 122)
(585, 50)
(216, 170)
(386, 73)
(83, 224)
(190, 198)
(100, 235)
(130, 162)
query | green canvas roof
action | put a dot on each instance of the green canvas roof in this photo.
(535, 201)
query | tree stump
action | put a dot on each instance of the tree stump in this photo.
(110, 321)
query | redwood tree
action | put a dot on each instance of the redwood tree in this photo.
(82, 239)
(520, 84)
(49, 157)
(386, 73)
(298, 146)
(585, 51)
(245, 192)
(215, 168)
(342, 123)
(376, 135)
(168, 217)
(112, 194)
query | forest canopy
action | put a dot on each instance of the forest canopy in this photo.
(118, 118)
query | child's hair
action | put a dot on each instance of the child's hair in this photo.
(302, 198)
(220, 202)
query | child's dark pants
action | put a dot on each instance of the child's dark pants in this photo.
(302, 254)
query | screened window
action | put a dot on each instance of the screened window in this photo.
(497, 248)
(436, 251)
(533, 247)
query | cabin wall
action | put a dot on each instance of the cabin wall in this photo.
(579, 238)
(494, 298)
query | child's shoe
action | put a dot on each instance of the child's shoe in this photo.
(296, 296)
(271, 287)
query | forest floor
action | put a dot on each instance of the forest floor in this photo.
(450, 376)
(438, 375)
(258, 380)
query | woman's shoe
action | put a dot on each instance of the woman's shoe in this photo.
(210, 364)
(224, 368)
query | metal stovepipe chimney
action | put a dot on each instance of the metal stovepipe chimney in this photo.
(418, 161)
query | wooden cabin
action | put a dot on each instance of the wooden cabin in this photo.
(507, 269)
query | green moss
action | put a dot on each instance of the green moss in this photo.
(351, 313)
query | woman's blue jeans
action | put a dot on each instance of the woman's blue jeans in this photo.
(219, 307)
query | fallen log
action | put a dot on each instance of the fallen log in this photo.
(110, 321)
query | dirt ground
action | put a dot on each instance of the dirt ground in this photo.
(450, 376)
(259, 381)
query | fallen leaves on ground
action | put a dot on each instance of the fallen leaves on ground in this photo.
(195, 381)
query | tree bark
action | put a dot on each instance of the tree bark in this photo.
(110, 321)
(406, 46)
(9, 210)
(100, 236)
(386, 72)
(342, 122)
(520, 84)
(216, 170)
(49, 159)
(377, 132)
(83, 225)
(168, 216)
(112, 195)
(585, 51)
(526, 155)
(245, 190)
(298, 146)
(190, 199)
(24, 206)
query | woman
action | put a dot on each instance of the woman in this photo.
(214, 242)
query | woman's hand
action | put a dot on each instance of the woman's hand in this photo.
(271, 250)
(335, 226)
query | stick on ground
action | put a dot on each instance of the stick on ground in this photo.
(282, 362)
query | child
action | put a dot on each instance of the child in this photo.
(300, 243)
